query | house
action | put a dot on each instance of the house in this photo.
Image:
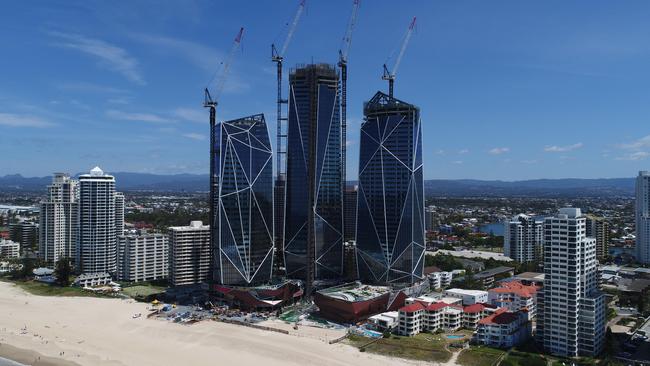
(468, 297)
(514, 296)
(383, 322)
(503, 329)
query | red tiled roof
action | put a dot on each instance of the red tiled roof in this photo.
(431, 269)
(517, 288)
(437, 306)
(412, 308)
(501, 316)
(475, 308)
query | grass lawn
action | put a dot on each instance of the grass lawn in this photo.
(43, 289)
(141, 291)
(517, 358)
(479, 356)
(422, 347)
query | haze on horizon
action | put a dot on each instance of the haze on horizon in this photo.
(507, 90)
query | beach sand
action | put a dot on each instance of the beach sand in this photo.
(65, 331)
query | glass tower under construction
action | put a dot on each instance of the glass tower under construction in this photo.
(243, 249)
(390, 212)
(313, 226)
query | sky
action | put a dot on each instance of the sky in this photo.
(508, 89)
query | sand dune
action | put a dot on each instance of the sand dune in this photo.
(94, 331)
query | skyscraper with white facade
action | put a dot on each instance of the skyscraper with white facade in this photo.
(119, 213)
(571, 308)
(142, 257)
(643, 217)
(59, 220)
(523, 238)
(97, 239)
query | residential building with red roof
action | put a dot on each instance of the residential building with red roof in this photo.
(503, 329)
(514, 296)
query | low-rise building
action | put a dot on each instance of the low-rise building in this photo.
(421, 317)
(383, 322)
(9, 249)
(93, 279)
(514, 296)
(503, 329)
(488, 276)
(440, 279)
(468, 297)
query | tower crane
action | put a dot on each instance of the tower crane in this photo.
(210, 102)
(278, 58)
(390, 75)
(343, 65)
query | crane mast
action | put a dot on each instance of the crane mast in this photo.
(210, 102)
(390, 75)
(278, 58)
(343, 65)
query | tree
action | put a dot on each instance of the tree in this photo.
(63, 271)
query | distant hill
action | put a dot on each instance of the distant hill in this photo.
(572, 187)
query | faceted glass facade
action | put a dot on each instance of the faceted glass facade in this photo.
(390, 211)
(314, 117)
(244, 253)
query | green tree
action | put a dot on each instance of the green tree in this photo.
(63, 271)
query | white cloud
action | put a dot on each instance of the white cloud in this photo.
(464, 151)
(192, 114)
(499, 150)
(639, 155)
(439, 152)
(15, 120)
(529, 161)
(194, 136)
(458, 162)
(641, 143)
(90, 87)
(114, 57)
(141, 117)
(566, 148)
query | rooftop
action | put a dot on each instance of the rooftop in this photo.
(355, 291)
(500, 317)
(493, 272)
(461, 291)
(412, 308)
(516, 287)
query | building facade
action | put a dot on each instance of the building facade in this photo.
(97, 238)
(119, 213)
(350, 225)
(503, 329)
(390, 211)
(59, 220)
(642, 211)
(598, 228)
(523, 238)
(243, 252)
(9, 249)
(190, 254)
(313, 220)
(571, 308)
(142, 257)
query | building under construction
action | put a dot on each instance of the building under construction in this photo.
(313, 229)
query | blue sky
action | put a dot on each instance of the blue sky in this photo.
(508, 89)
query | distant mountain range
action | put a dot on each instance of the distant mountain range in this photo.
(434, 187)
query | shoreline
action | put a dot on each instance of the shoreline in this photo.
(20, 356)
(89, 331)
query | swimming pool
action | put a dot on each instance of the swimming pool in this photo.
(454, 336)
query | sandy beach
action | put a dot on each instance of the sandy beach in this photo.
(66, 331)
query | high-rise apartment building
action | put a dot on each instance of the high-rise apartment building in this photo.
(59, 219)
(190, 254)
(119, 213)
(142, 257)
(390, 214)
(97, 239)
(25, 232)
(9, 249)
(523, 238)
(243, 248)
(571, 308)
(350, 224)
(642, 212)
(313, 220)
(598, 228)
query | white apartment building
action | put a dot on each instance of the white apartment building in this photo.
(119, 213)
(440, 279)
(97, 239)
(571, 308)
(189, 254)
(422, 317)
(59, 219)
(642, 211)
(523, 238)
(469, 297)
(142, 257)
(9, 249)
(503, 329)
(515, 296)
